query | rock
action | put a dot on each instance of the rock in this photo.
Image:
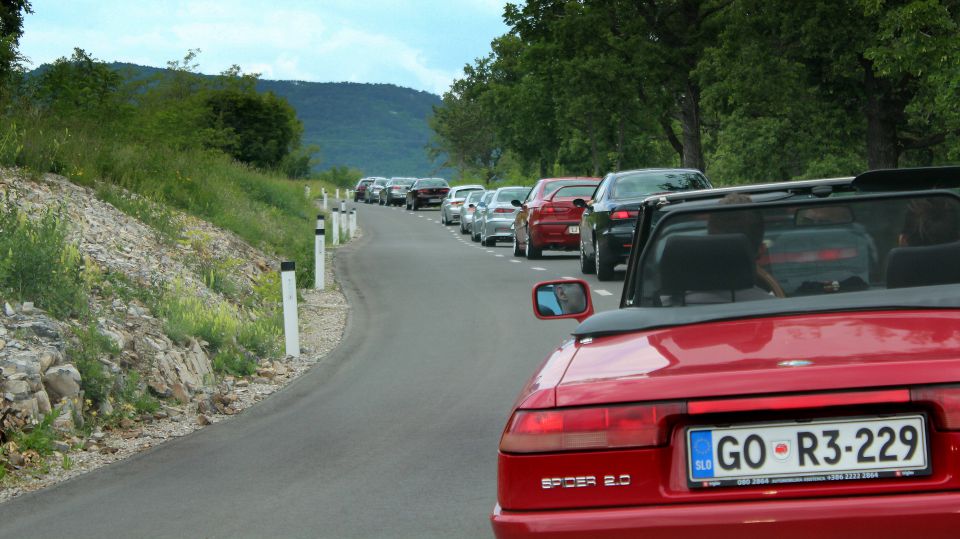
(259, 380)
(60, 446)
(3, 344)
(107, 450)
(267, 373)
(15, 458)
(8, 310)
(27, 308)
(126, 423)
(106, 408)
(16, 389)
(27, 408)
(131, 434)
(3, 331)
(159, 389)
(49, 358)
(43, 327)
(116, 337)
(97, 435)
(62, 382)
(180, 392)
(90, 445)
(43, 402)
(243, 383)
(203, 420)
(280, 369)
(64, 422)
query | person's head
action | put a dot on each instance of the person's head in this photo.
(930, 221)
(748, 223)
(570, 297)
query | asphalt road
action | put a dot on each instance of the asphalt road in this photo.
(392, 435)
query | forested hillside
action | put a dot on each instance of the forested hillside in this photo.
(380, 129)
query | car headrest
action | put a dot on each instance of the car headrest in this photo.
(924, 266)
(701, 263)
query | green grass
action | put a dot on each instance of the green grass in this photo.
(37, 264)
(154, 214)
(40, 438)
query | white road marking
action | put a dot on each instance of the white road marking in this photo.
(569, 278)
(539, 269)
(603, 292)
(499, 256)
(489, 251)
(514, 261)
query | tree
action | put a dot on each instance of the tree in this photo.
(11, 29)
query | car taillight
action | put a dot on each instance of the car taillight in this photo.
(395, 188)
(456, 203)
(503, 210)
(945, 401)
(555, 209)
(799, 257)
(444, 191)
(575, 429)
(624, 214)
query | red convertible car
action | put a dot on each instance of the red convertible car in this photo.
(785, 363)
(548, 218)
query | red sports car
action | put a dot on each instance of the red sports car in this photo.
(548, 219)
(785, 363)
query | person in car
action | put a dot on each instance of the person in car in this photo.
(571, 298)
(750, 224)
(929, 221)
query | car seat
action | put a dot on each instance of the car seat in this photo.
(923, 266)
(719, 265)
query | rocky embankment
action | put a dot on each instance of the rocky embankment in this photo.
(38, 376)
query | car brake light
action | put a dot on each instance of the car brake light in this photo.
(799, 257)
(576, 429)
(791, 402)
(394, 188)
(456, 203)
(555, 209)
(624, 214)
(945, 401)
(503, 210)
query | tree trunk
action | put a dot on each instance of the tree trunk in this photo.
(620, 129)
(882, 111)
(692, 156)
(671, 136)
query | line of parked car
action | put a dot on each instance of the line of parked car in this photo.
(593, 216)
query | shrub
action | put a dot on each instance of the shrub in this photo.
(40, 438)
(233, 361)
(188, 315)
(95, 380)
(37, 264)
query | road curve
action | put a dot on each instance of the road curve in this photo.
(393, 435)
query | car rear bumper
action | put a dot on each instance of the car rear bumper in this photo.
(616, 242)
(498, 229)
(555, 235)
(931, 516)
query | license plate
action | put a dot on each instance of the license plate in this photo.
(434, 200)
(807, 451)
(573, 229)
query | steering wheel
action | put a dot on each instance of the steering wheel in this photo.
(769, 283)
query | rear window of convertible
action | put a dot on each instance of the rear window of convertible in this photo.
(739, 251)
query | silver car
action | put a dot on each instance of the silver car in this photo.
(453, 203)
(466, 213)
(395, 192)
(478, 215)
(373, 190)
(499, 215)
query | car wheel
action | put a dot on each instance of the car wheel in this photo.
(463, 230)
(413, 205)
(443, 218)
(602, 264)
(473, 235)
(533, 252)
(517, 251)
(586, 262)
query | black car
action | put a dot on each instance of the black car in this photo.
(606, 227)
(427, 192)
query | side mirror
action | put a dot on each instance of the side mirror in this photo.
(580, 203)
(569, 298)
(516, 203)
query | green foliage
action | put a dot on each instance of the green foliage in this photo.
(343, 177)
(36, 262)
(40, 438)
(66, 462)
(266, 128)
(90, 345)
(232, 361)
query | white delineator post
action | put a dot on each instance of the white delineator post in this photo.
(325, 201)
(319, 246)
(344, 220)
(288, 286)
(306, 192)
(335, 229)
(337, 194)
(353, 223)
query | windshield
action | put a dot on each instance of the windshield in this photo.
(463, 193)
(804, 248)
(552, 187)
(506, 195)
(576, 191)
(380, 182)
(486, 197)
(474, 196)
(431, 183)
(647, 183)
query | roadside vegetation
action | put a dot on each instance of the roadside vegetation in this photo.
(745, 90)
(155, 148)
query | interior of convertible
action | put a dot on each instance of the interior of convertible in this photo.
(744, 250)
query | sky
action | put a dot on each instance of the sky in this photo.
(420, 44)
